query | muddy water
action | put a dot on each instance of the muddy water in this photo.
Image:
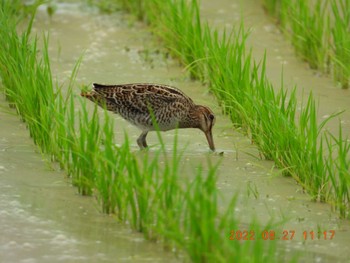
(119, 50)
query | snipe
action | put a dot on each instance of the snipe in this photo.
(170, 107)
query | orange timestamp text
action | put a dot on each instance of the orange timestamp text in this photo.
(282, 235)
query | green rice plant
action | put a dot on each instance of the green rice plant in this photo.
(155, 190)
(310, 32)
(190, 218)
(18, 9)
(86, 145)
(278, 9)
(185, 39)
(338, 165)
(319, 34)
(65, 133)
(63, 125)
(140, 193)
(78, 139)
(111, 177)
(197, 226)
(309, 154)
(227, 54)
(200, 217)
(276, 139)
(60, 152)
(170, 209)
(28, 87)
(341, 39)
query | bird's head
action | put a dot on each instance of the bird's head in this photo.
(205, 122)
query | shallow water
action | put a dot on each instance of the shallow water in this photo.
(120, 50)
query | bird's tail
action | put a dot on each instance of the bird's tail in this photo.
(93, 96)
(88, 94)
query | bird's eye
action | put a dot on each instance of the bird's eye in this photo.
(211, 117)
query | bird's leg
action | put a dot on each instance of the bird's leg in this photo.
(141, 141)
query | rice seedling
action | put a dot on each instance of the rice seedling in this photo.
(29, 87)
(279, 10)
(341, 39)
(310, 32)
(86, 145)
(185, 38)
(318, 32)
(339, 164)
(140, 193)
(63, 125)
(60, 153)
(203, 227)
(228, 55)
(200, 217)
(110, 171)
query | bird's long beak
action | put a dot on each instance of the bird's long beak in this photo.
(209, 136)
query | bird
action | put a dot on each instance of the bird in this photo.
(148, 106)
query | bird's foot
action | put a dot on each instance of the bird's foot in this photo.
(142, 144)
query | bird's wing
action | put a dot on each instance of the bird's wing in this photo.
(141, 97)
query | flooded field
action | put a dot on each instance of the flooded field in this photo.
(44, 218)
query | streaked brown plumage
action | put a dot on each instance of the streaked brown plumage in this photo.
(170, 106)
